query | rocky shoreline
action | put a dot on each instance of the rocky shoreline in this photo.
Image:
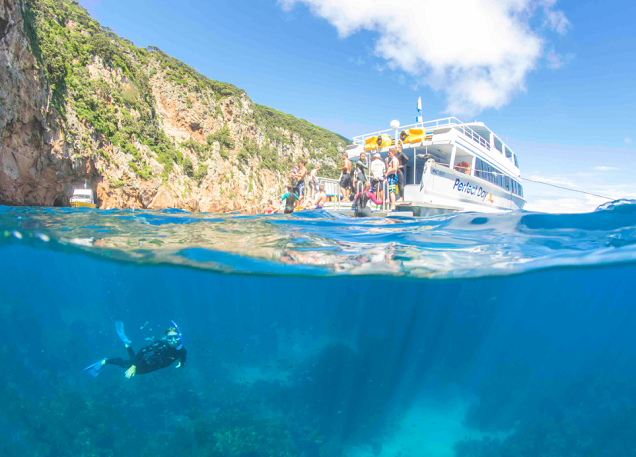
(143, 129)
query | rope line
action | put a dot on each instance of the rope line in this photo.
(547, 184)
(567, 188)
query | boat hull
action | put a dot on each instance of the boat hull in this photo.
(449, 188)
(82, 205)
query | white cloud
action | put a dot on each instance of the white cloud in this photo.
(628, 140)
(555, 19)
(477, 51)
(357, 61)
(602, 168)
(554, 61)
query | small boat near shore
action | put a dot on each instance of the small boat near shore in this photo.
(82, 198)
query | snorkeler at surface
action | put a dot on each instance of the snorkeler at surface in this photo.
(362, 199)
(159, 354)
(290, 198)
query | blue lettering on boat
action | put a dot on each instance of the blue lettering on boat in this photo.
(468, 188)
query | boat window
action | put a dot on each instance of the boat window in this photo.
(496, 176)
(498, 145)
(516, 161)
(516, 188)
(509, 153)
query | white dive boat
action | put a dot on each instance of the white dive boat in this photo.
(453, 166)
(82, 198)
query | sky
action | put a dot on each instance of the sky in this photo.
(554, 79)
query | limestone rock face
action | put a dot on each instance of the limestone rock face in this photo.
(143, 130)
(163, 199)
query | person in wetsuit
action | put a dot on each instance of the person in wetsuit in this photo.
(362, 210)
(158, 355)
(402, 159)
(291, 199)
(345, 178)
(360, 173)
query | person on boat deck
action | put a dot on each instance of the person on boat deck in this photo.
(362, 210)
(271, 209)
(360, 173)
(293, 172)
(290, 198)
(320, 200)
(300, 178)
(345, 179)
(378, 169)
(158, 355)
(402, 159)
(313, 183)
(392, 165)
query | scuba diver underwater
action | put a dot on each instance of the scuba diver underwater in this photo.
(160, 354)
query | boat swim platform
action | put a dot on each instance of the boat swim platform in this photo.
(379, 213)
(404, 209)
(422, 209)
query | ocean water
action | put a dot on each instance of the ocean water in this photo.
(317, 335)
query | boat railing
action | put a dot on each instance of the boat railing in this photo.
(429, 127)
(332, 187)
(470, 133)
(385, 194)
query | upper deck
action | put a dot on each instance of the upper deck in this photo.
(474, 138)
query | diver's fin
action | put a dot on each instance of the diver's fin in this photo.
(119, 326)
(93, 370)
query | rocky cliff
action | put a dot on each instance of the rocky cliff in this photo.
(78, 103)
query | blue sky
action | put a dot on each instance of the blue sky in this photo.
(555, 79)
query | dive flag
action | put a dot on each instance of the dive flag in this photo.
(419, 105)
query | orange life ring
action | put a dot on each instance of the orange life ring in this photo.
(463, 165)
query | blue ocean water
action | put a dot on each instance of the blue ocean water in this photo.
(317, 335)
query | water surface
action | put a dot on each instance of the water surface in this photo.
(321, 335)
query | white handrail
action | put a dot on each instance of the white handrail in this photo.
(332, 186)
(446, 122)
(428, 127)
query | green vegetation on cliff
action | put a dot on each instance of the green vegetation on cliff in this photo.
(108, 82)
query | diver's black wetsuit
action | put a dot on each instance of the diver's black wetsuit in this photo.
(290, 203)
(151, 358)
(362, 210)
(402, 159)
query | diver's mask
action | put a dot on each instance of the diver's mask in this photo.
(175, 341)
